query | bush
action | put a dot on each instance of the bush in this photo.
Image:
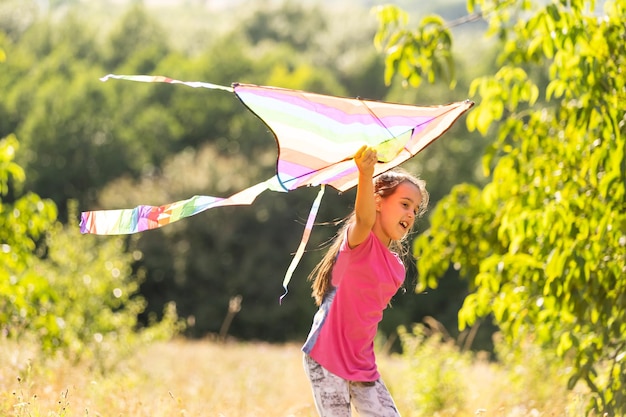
(63, 291)
(435, 380)
(91, 300)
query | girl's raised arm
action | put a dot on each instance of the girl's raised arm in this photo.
(365, 203)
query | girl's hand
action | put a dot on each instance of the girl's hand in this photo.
(365, 159)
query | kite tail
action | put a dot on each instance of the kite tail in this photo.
(305, 238)
(141, 218)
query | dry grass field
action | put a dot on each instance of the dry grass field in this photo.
(206, 378)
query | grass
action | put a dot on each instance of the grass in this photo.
(178, 378)
(207, 378)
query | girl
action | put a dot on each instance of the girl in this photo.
(352, 285)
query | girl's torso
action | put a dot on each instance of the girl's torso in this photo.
(365, 278)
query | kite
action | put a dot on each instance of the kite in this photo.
(316, 136)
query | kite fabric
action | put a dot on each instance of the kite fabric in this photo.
(316, 136)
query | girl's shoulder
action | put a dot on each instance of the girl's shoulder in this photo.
(364, 245)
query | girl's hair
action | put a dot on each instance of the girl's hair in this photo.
(384, 185)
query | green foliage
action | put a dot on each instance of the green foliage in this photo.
(90, 299)
(75, 130)
(10, 172)
(544, 243)
(68, 293)
(136, 43)
(267, 25)
(24, 220)
(414, 54)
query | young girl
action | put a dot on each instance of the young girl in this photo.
(352, 286)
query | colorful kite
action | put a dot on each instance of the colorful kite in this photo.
(316, 135)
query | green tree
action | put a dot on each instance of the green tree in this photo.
(275, 24)
(75, 131)
(64, 292)
(136, 43)
(544, 242)
(24, 218)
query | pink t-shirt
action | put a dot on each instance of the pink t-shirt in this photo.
(365, 278)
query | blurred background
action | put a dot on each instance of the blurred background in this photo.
(87, 145)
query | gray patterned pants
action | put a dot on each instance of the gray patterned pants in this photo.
(333, 395)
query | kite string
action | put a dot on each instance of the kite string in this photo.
(370, 111)
(305, 238)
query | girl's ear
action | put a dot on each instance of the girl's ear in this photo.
(377, 201)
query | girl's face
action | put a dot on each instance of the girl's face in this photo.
(396, 213)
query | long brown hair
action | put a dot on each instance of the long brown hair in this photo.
(384, 185)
